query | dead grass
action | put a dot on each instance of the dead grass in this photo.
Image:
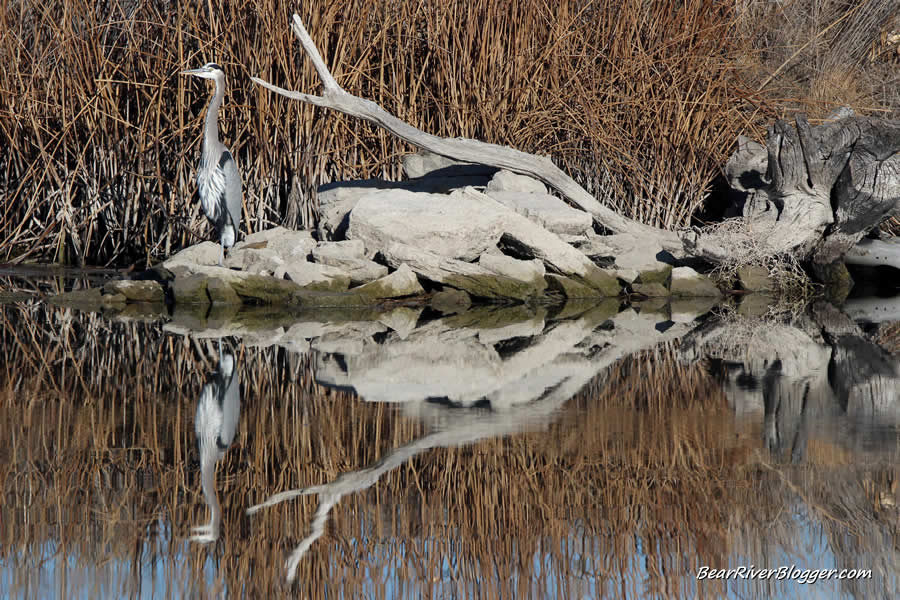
(636, 99)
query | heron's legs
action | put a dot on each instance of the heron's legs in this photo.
(221, 253)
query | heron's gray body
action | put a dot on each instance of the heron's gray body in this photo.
(218, 179)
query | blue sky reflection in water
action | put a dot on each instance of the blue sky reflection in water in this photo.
(611, 465)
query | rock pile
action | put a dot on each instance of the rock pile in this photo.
(493, 235)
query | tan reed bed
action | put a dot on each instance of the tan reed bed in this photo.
(637, 99)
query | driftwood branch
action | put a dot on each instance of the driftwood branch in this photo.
(467, 150)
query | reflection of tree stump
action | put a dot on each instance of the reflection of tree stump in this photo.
(815, 192)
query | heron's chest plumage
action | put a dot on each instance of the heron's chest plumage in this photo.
(211, 184)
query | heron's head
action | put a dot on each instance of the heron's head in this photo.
(207, 71)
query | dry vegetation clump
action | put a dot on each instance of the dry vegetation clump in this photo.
(791, 284)
(888, 337)
(636, 99)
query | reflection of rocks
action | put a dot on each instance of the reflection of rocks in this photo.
(503, 357)
(523, 364)
(820, 368)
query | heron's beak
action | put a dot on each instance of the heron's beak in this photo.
(193, 72)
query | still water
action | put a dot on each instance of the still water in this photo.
(583, 451)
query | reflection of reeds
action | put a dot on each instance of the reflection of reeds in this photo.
(100, 457)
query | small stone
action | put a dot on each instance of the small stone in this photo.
(755, 279)
(136, 291)
(315, 277)
(402, 282)
(451, 301)
(652, 290)
(220, 292)
(349, 256)
(687, 282)
(327, 253)
(263, 261)
(507, 181)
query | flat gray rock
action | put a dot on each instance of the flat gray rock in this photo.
(424, 163)
(472, 278)
(349, 257)
(314, 276)
(455, 226)
(402, 282)
(254, 260)
(548, 211)
(523, 270)
(288, 244)
(327, 253)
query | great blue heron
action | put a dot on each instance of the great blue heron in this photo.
(218, 178)
(216, 423)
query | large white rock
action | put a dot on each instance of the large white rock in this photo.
(286, 243)
(546, 210)
(204, 253)
(455, 226)
(507, 181)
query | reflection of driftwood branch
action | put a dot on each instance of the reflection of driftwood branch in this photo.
(467, 150)
(461, 427)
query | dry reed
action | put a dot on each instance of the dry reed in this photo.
(636, 99)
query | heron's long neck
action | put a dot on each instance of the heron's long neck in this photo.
(208, 483)
(211, 132)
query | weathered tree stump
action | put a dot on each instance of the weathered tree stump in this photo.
(815, 192)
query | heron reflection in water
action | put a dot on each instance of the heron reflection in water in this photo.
(216, 423)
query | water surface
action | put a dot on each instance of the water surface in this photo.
(587, 451)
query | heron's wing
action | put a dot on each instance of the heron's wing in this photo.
(232, 189)
(231, 410)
